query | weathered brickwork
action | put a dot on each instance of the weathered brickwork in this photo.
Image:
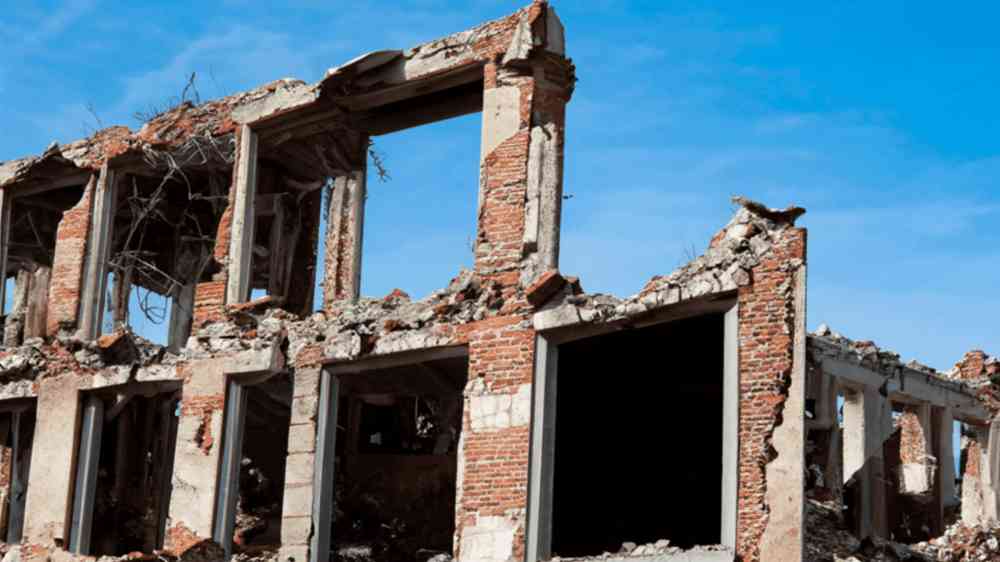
(68, 265)
(766, 332)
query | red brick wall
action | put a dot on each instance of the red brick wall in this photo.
(68, 264)
(502, 354)
(766, 328)
(913, 443)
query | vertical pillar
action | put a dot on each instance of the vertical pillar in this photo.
(990, 473)
(521, 168)
(975, 476)
(543, 437)
(227, 489)
(181, 315)
(85, 490)
(344, 234)
(944, 452)
(50, 482)
(867, 419)
(242, 235)
(5, 207)
(98, 252)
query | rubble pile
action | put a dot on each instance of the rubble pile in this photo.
(866, 352)
(658, 550)
(390, 324)
(828, 540)
(725, 266)
(963, 543)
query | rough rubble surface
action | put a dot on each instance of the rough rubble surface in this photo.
(866, 353)
(725, 266)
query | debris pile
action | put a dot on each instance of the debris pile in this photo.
(963, 543)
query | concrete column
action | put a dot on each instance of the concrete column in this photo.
(98, 253)
(867, 420)
(241, 238)
(990, 473)
(50, 482)
(944, 452)
(344, 234)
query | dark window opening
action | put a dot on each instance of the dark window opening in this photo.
(163, 236)
(17, 433)
(396, 461)
(268, 414)
(639, 433)
(31, 244)
(131, 493)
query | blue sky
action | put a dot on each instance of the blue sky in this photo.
(881, 119)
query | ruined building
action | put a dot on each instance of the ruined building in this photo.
(478, 423)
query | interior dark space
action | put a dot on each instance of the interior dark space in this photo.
(134, 472)
(396, 461)
(638, 448)
(262, 466)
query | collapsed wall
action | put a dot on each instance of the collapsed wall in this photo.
(246, 432)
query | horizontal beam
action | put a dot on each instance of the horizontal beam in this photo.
(908, 387)
(396, 360)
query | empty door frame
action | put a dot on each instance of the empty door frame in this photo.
(326, 434)
(538, 535)
(228, 485)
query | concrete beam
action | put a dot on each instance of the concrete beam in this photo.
(909, 387)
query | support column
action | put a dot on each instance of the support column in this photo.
(344, 234)
(990, 474)
(50, 482)
(5, 207)
(98, 253)
(242, 235)
(521, 168)
(867, 420)
(944, 452)
(976, 487)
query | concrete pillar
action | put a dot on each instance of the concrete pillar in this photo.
(867, 421)
(242, 234)
(98, 252)
(344, 234)
(944, 452)
(990, 473)
(50, 482)
(915, 449)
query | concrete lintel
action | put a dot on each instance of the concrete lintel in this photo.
(396, 359)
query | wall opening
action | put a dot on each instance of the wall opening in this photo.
(124, 470)
(17, 433)
(395, 461)
(162, 239)
(425, 207)
(292, 172)
(252, 478)
(638, 432)
(33, 221)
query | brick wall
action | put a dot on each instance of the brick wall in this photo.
(68, 264)
(766, 328)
